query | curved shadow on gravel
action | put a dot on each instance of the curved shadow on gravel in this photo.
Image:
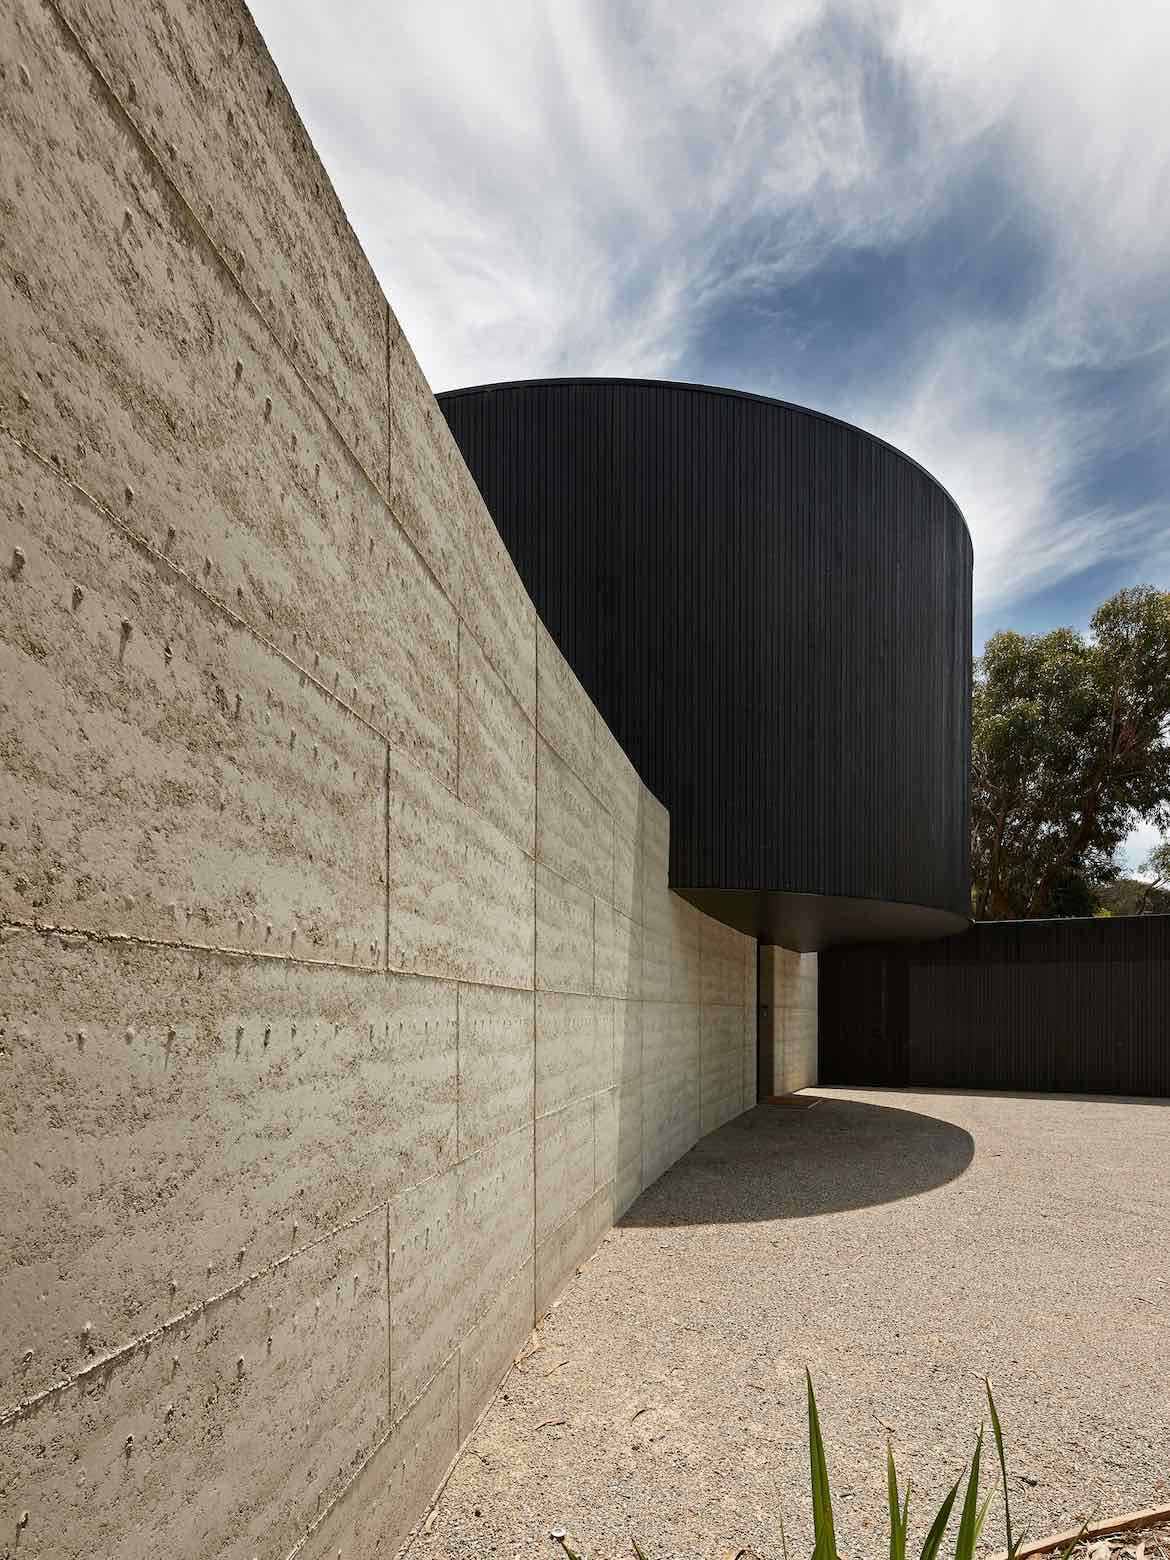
(783, 1164)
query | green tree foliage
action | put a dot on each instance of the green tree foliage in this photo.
(1156, 870)
(1070, 749)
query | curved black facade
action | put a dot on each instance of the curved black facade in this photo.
(772, 610)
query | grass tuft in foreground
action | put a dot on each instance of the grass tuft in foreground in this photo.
(971, 1514)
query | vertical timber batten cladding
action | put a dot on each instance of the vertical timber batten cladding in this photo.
(1076, 1006)
(772, 610)
(343, 1001)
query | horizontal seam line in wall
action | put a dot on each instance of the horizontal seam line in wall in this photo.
(127, 1350)
(225, 266)
(578, 1099)
(556, 1229)
(53, 929)
(49, 929)
(383, 1440)
(135, 539)
(579, 777)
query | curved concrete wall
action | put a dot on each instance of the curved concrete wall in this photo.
(344, 1001)
(772, 610)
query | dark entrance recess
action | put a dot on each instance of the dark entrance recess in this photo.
(1070, 1006)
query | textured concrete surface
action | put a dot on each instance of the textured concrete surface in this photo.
(900, 1245)
(788, 1018)
(324, 890)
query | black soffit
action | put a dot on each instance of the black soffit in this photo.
(810, 923)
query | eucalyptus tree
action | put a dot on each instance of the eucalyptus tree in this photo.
(1070, 749)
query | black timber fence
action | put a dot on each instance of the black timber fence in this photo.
(1068, 1006)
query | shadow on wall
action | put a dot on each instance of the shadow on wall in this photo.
(774, 1164)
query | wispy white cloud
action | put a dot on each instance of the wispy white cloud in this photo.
(571, 187)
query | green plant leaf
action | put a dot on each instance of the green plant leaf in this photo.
(897, 1531)
(825, 1545)
(638, 1550)
(1012, 1544)
(939, 1526)
(980, 1519)
(1068, 1548)
(969, 1518)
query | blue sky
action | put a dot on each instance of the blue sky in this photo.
(948, 222)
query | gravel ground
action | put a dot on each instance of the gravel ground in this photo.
(898, 1244)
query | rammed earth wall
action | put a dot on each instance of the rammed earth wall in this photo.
(344, 1004)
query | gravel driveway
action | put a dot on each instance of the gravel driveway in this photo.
(900, 1244)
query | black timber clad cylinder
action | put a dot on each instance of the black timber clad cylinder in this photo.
(772, 611)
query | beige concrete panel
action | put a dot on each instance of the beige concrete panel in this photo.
(670, 1084)
(428, 1285)
(616, 780)
(750, 1025)
(659, 1085)
(798, 1069)
(487, 1353)
(567, 818)
(605, 1134)
(201, 89)
(604, 845)
(723, 964)
(429, 1437)
(686, 973)
(619, 953)
(655, 904)
(788, 1017)
(564, 934)
(656, 967)
(564, 715)
(566, 1049)
(495, 1218)
(177, 779)
(564, 1164)
(686, 924)
(497, 748)
(496, 606)
(627, 1039)
(604, 1075)
(460, 892)
(659, 1021)
(571, 1244)
(500, 924)
(657, 1143)
(381, 1505)
(627, 874)
(751, 979)
(655, 831)
(721, 1043)
(226, 1435)
(496, 1035)
(422, 462)
(657, 911)
(134, 362)
(177, 1120)
(407, 652)
(629, 1145)
(685, 1122)
(750, 1074)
